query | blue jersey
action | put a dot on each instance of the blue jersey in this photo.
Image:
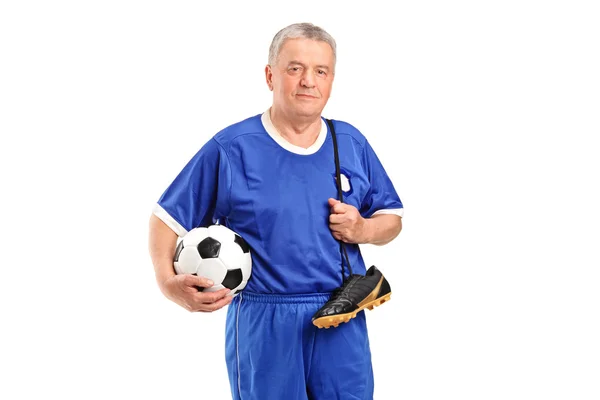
(274, 194)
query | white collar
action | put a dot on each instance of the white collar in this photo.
(266, 121)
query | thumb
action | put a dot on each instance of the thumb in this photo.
(332, 202)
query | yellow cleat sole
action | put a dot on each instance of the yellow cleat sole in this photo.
(335, 320)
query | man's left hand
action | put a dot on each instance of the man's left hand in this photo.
(346, 223)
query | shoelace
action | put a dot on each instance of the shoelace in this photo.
(340, 290)
(340, 196)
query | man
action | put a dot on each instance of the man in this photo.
(272, 179)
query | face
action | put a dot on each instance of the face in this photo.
(302, 78)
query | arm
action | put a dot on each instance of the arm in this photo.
(381, 229)
(180, 289)
(162, 248)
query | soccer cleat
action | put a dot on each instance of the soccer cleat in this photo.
(357, 293)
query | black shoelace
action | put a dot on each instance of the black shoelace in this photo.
(338, 292)
(343, 251)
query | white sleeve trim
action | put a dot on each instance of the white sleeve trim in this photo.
(170, 221)
(396, 211)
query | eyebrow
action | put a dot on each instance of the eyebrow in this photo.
(304, 65)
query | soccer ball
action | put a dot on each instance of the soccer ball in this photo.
(217, 253)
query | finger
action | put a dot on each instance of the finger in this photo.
(211, 297)
(337, 235)
(339, 208)
(336, 219)
(201, 281)
(188, 283)
(332, 201)
(216, 305)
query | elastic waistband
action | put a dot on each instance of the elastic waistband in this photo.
(319, 298)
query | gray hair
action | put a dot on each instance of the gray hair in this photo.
(303, 30)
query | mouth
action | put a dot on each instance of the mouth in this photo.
(306, 96)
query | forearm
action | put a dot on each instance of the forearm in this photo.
(162, 243)
(382, 228)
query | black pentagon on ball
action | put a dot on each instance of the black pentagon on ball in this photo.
(209, 248)
(242, 243)
(178, 251)
(233, 278)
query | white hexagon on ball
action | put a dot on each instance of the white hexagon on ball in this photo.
(188, 261)
(213, 269)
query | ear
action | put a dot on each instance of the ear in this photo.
(269, 77)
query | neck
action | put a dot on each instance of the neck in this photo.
(301, 132)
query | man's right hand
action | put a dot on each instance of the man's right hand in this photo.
(182, 289)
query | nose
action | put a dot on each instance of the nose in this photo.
(308, 78)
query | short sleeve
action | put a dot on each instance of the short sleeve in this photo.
(381, 198)
(199, 195)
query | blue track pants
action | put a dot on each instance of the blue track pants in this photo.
(274, 352)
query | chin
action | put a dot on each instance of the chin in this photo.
(308, 110)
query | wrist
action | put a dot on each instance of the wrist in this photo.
(367, 231)
(164, 275)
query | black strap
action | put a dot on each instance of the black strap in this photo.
(343, 251)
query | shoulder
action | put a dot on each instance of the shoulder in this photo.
(248, 126)
(343, 128)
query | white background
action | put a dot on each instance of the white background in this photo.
(483, 113)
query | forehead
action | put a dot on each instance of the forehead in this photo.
(307, 51)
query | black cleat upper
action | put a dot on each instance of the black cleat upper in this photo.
(355, 289)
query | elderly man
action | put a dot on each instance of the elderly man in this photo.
(304, 192)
